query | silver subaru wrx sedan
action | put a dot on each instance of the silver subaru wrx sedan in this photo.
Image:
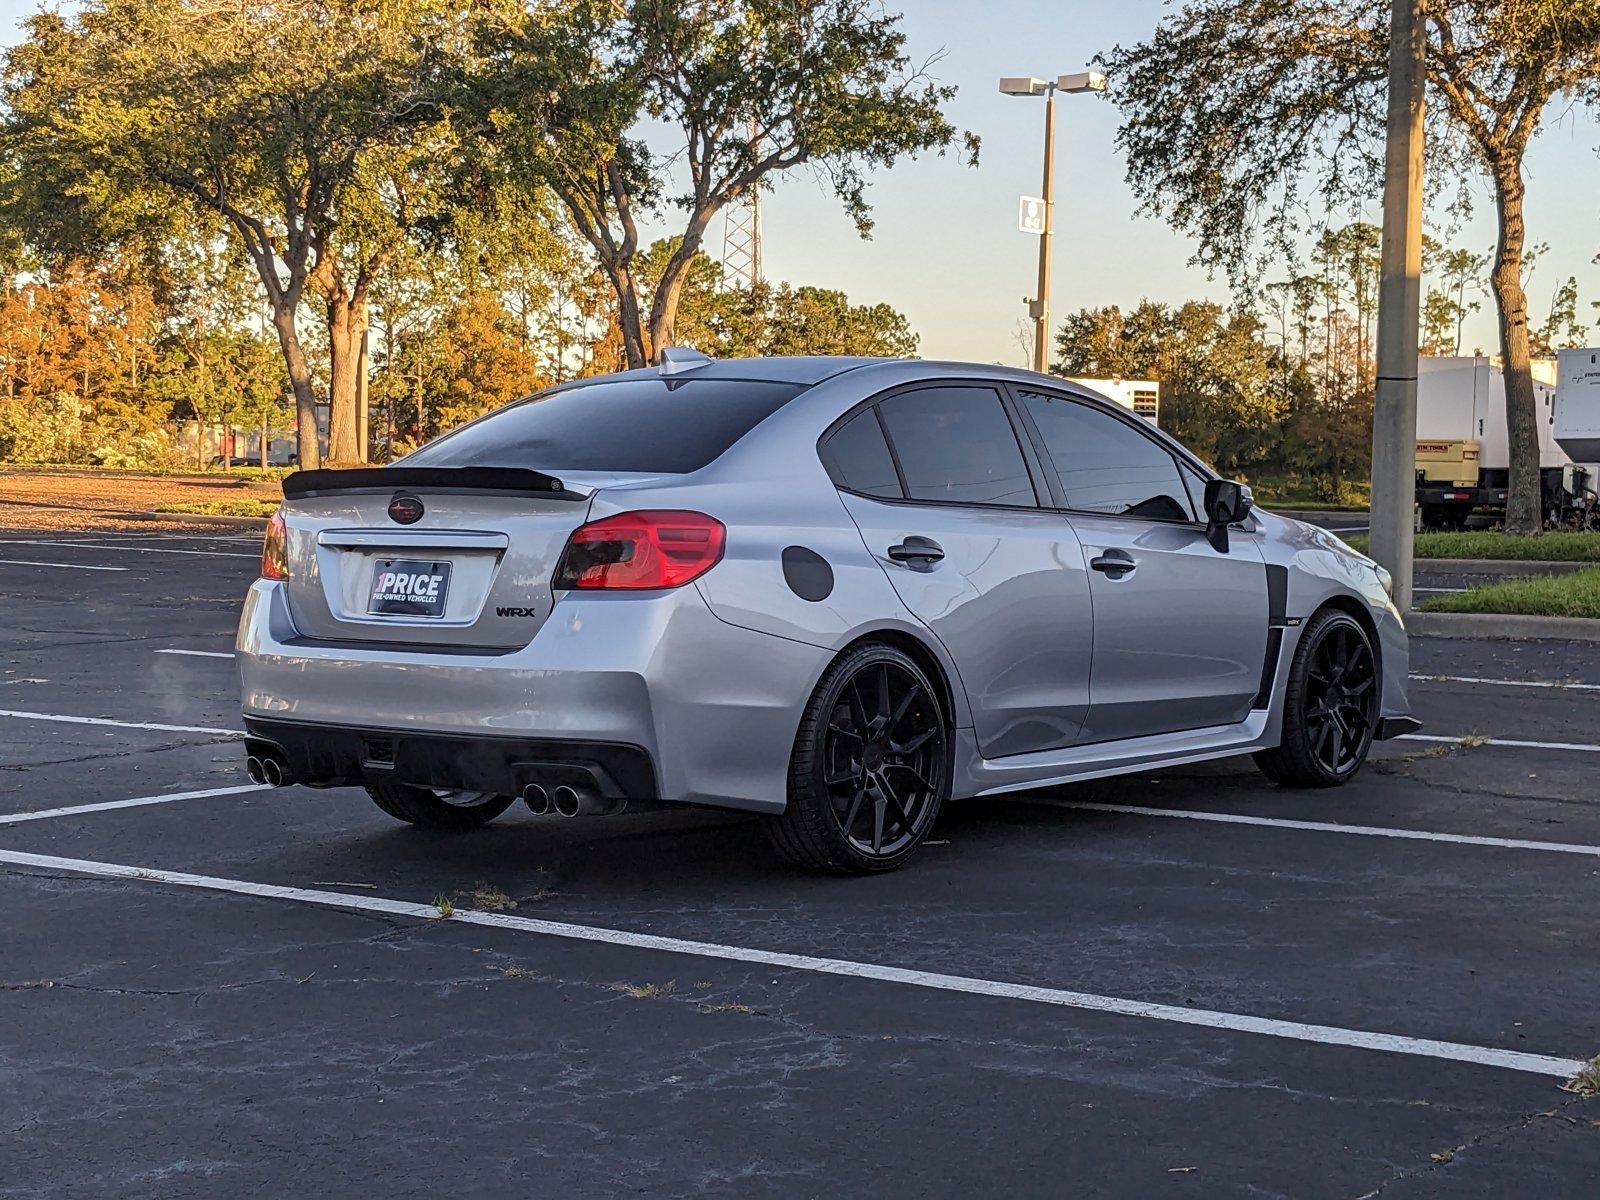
(834, 591)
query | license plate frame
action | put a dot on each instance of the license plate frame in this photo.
(409, 587)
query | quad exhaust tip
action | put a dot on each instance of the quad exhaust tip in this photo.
(254, 769)
(537, 798)
(567, 800)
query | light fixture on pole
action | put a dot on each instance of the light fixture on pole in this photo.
(1038, 216)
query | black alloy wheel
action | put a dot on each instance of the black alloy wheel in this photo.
(869, 774)
(1330, 706)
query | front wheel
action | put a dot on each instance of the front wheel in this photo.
(1330, 706)
(870, 768)
(438, 808)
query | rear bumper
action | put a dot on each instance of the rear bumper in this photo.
(711, 707)
(340, 755)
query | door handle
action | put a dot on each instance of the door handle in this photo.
(1114, 563)
(916, 551)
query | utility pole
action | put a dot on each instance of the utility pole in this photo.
(362, 454)
(1394, 414)
(1041, 303)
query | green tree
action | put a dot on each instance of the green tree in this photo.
(746, 89)
(1219, 377)
(1233, 105)
(308, 127)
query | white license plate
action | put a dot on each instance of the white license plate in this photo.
(409, 587)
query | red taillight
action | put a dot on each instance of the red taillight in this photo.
(275, 549)
(651, 549)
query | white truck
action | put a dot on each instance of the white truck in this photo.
(1463, 454)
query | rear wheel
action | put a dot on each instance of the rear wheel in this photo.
(1330, 706)
(869, 773)
(438, 808)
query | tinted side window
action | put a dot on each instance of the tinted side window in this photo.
(1106, 465)
(957, 444)
(1196, 484)
(858, 458)
(630, 424)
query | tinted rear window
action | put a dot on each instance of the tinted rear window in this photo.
(858, 457)
(651, 425)
(956, 444)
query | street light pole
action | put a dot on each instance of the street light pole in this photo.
(1041, 303)
(1028, 85)
(1394, 412)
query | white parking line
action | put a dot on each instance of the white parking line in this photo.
(1328, 1035)
(1521, 683)
(25, 562)
(1514, 743)
(199, 653)
(1418, 835)
(124, 549)
(1350, 529)
(68, 720)
(139, 802)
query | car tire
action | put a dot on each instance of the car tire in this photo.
(454, 812)
(1330, 705)
(870, 770)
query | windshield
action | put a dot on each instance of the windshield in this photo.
(656, 426)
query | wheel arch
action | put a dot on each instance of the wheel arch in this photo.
(924, 656)
(1353, 606)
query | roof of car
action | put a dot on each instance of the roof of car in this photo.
(803, 370)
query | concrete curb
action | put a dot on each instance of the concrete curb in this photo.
(257, 524)
(1501, 627)
(1520, 568)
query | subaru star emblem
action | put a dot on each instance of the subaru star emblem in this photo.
(407, 510)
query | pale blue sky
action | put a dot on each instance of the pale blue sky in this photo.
(947, 251)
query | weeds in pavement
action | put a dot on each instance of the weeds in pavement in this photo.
(489, 898)
(1587, 1081)
(649, 991)
(446, 908)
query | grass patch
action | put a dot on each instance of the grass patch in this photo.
(1562, 545)
(1575, 595)
(488, 898)
(648, 991)
(223, 508)
(1587, 1081)
(445, 907)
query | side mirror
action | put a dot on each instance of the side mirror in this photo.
(1227, 503)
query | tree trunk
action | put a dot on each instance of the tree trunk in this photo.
(1523, 506)
(664, 304)
(307, 447)
(347, 325)
(630, 317)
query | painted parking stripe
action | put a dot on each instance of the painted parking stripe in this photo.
(1419, 835)
(199, 653)
(1556, 684)
(1514, 743)
(1328, 1035)
(25, 562)
(71, 720)
(138, 802)
(129, 549)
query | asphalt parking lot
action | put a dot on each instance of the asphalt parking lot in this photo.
(1178, 984)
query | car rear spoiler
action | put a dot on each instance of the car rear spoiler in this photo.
(516, 480)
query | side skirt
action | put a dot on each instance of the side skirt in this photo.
(977, 776)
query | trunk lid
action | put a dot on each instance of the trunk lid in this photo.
(472, 573)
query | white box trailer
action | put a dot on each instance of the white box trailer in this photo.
(1577, 413)
(1463, 451)
(1141, 396)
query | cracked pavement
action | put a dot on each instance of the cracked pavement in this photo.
(158, 1041)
